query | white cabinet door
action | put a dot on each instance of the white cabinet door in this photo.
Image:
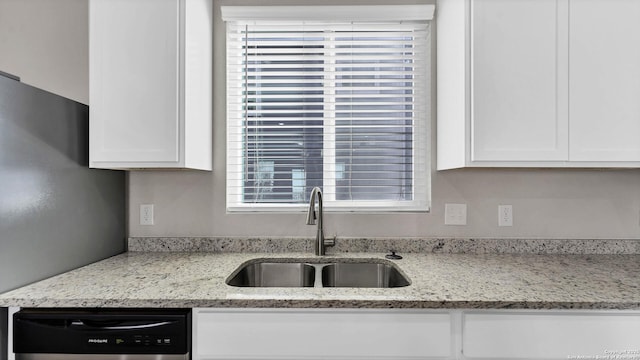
(518, 80)
(321, 334)
(538, 83)
(559, 335)
(134, 73)
(605, 80)
(142, 112)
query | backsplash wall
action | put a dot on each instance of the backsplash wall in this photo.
(556, 204)
(547, 203)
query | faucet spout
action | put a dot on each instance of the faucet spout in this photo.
(316, 219)
(311, 213)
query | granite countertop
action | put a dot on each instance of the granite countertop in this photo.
(487, 281)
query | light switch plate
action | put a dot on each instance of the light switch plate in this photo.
(455, 214)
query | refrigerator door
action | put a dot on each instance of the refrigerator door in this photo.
(56, 214)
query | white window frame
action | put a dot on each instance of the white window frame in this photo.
(337, 13)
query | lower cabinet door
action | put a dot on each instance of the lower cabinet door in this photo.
(321, 334)
(559, 335)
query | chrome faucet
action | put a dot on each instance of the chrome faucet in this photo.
(321, 243)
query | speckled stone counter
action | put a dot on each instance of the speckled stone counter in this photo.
(197, 279)
(405, 245)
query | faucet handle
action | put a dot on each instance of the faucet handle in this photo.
(331, 241)
(393, 255)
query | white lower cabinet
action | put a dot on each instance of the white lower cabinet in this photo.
(322, 334)
(404, 334)
(551, 335)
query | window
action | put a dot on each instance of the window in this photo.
(341, 102)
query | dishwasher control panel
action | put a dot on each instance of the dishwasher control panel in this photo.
(140, 340)
(150, 340)
(102, 331)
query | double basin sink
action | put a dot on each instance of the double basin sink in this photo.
(366, 273)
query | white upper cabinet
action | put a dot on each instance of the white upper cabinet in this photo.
(538, 83)
(150, 84)
(604, 75)
(515, 55)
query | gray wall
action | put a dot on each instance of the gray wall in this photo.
(56, 214)
(45, 43)
(546, 203)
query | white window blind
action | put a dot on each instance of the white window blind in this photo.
(340, 105)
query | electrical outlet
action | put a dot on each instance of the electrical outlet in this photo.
(505, 215)
(146, 214)
(455, 214)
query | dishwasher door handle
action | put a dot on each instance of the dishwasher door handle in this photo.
(80, 323)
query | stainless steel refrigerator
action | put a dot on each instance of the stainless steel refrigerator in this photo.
(56, 214)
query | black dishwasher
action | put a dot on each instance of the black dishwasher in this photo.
(102, 334)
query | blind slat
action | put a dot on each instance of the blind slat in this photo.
(318, 68)
(314, 97)
(362, 89)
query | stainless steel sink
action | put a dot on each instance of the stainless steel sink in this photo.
(373, 273)
(274, 274)
(370, 275)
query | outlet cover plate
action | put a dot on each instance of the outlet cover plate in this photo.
(146, 214)
(505, 215)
